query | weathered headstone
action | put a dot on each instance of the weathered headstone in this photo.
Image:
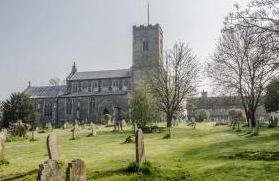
(3, 135)
(49, 171)
(75, 131)
(93, 129)
(76, 171)
(1, 149)
(139, 147)
(52, 147)
(65, 125)
(49, 126)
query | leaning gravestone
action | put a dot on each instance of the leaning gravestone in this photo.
(139, 147)
(49, 171)
(52, 147)
(76, 171)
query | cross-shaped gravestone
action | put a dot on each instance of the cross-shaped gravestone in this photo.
(49, 171)
(139, 147)
(52, 147)
(76, 171)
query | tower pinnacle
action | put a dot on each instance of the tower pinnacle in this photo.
(148, 15)
(74, 68)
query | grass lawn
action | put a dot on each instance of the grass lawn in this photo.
(204, 153)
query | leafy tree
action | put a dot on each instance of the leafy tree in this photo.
(143, 107)
(201, 115)
(271, 101)
(237, 116)
(20, 107)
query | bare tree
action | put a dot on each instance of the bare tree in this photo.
(174, 80)
(54, 81)
(263, 16)
(244, 63)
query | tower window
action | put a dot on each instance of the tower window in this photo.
(145, 45)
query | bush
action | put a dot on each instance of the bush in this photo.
(19, 129)
(237, 116)
(130, 139)
(12, 138)
(146, 168)
(4, 162)
(201, 115)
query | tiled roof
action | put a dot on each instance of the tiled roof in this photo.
(104, 74)
(46, 91)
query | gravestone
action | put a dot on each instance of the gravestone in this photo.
(75, 131)
(3, 136)
(76, 171)
(93, 129)
(65, 125)
(52, 147)
(49, 126)
(1, 149)
(139, 147)
(49, 171)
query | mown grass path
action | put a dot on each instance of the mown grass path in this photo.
(206, 153)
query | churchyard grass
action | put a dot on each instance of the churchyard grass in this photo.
(204, 153)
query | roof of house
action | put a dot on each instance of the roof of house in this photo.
(216, 102)
(103, 74)
(46, 91)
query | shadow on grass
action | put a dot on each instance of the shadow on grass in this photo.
(254, 155)
(146, 172)
(215, 150)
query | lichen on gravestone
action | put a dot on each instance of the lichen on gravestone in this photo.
(53, 147)
(49, 171)
(139, 147)
(76, 171)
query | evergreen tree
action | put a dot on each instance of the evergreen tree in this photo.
(20, 106)
(272, 96)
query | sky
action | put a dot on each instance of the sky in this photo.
(40, 40)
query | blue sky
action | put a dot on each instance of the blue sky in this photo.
(40, 40)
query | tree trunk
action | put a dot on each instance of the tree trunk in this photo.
(169, 126)
(33, 134)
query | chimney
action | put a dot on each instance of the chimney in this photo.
(204, 94)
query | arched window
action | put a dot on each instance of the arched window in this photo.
(69, 106)
(145, 45)
(48, 110)
(91, 104)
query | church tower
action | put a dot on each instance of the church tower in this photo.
(147, 51)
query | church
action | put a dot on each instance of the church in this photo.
(87, 96)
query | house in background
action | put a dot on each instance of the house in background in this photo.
(218, 107)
